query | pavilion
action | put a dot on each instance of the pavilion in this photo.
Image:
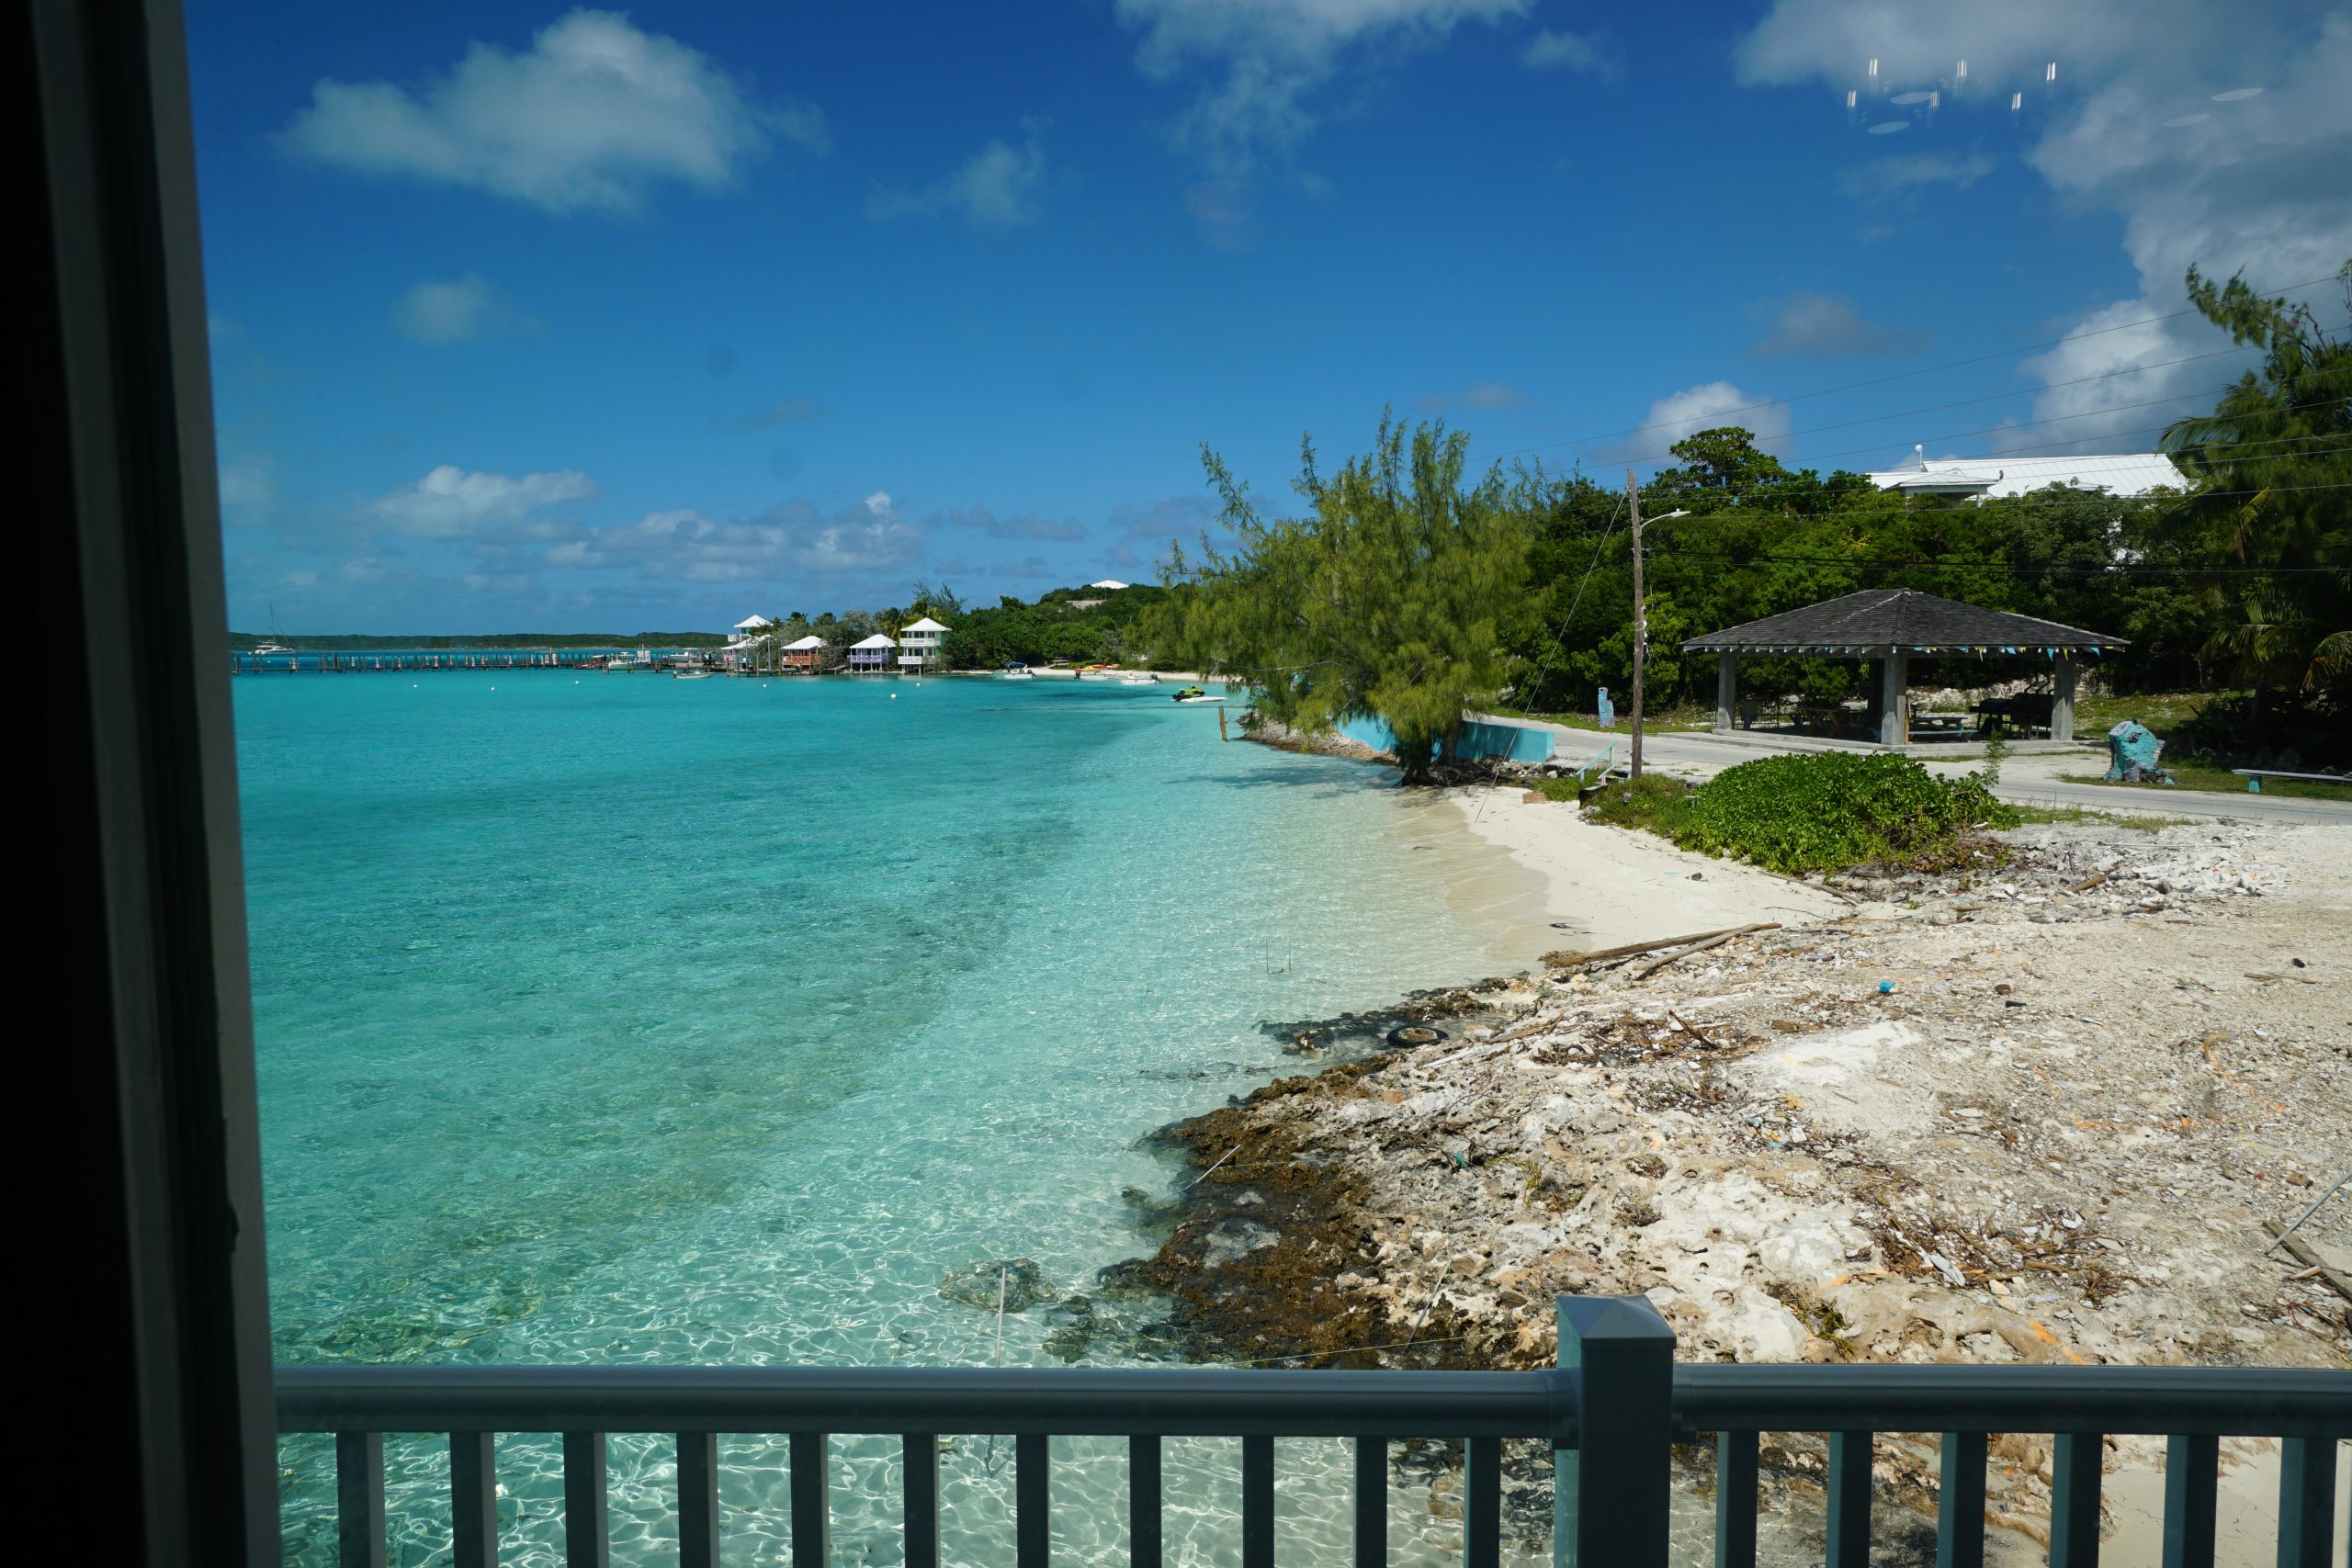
(1885, 627)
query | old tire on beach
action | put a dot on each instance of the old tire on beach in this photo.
(1413, 1034)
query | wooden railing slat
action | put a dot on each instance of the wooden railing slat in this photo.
(473, 1499)
(1372, 1503)
(1960, 1507)
(698, 1500)
(1735, 1500)
(2306, 1501)
(1258, 1502)
(2074, 1500)
(1482, 1502)
(812, 1519)
(587, 1537)
(360, 1500)
(1033, 1524)
(920, 1494)
(2192, 1467)
(1849, 1500)
(1144, 1524)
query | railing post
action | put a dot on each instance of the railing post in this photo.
(1609, 1503)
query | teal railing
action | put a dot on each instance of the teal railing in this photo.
(1612, 1411)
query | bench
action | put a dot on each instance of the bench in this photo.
(2254, 777)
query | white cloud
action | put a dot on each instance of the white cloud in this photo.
(996, 189)
(454, 310)
(2150, 119)
(793, 538)
(1275, 55)
(1829, 326)
(450, 504)
(589, 117)
(1550, 51)
(1709, 406)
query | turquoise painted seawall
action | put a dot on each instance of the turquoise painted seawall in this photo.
(1508, 742)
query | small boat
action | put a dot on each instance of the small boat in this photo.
(692, 675)
(1194, 694)
(264, 650)
(1018, 672)
(1139, 678)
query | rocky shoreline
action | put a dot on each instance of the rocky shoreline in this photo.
(1999, 1113)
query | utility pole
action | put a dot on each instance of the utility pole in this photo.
(1641, 621)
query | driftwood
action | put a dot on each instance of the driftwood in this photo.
(1644, 970)
(1568, 959)
(2336, 1279)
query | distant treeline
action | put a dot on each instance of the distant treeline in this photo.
(245, 642)
(1408, 587)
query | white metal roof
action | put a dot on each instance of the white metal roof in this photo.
(926, 624)
(2134, 473)
(877, 640)
(804, 644)
(752, 623)
(1110, 582)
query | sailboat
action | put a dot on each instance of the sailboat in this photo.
(263, 649)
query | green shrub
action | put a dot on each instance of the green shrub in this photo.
(1820, 811)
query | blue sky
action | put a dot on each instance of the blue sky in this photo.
(548, 319)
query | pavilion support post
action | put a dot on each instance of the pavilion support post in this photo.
(2061, 707)
(1727, 689)
(1894, 683)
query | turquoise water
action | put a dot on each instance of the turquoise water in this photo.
(632, 1020)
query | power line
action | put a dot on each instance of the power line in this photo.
(1927, 370)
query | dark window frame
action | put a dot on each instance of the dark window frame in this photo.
(149, 1432)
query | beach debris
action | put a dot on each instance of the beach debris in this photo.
(1886, 988)
(2133, 754)
(1569, 958)
(1018, 1283)
(2337, 1280)
(1642, 972)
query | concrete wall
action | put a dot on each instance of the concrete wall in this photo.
(1507, 741)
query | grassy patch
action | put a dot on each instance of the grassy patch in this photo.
(1675, 719)
(2213, 776)
(1819, 811)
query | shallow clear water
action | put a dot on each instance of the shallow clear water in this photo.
(620, 1019)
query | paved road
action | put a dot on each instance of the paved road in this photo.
(2027, 780)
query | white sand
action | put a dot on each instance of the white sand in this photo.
(1608, 886)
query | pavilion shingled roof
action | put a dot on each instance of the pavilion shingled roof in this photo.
(1899, 617)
